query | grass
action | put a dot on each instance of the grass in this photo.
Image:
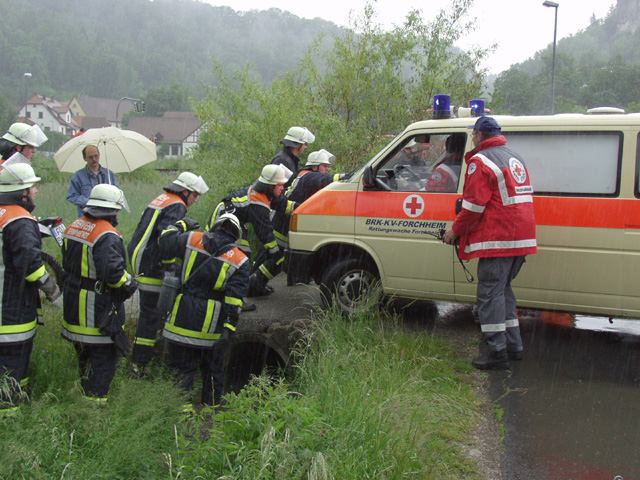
(365, 400)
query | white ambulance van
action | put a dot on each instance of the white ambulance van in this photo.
(381, 224)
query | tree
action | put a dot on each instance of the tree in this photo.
(369, 84)
(7, 114)
(174, 98)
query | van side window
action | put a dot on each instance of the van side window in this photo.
(426, 163)
(571, 163)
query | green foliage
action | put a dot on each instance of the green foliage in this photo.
(371, 83)
(367, 401)
(7, 114)
(54, 141)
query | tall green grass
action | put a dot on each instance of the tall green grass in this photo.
(368, 402)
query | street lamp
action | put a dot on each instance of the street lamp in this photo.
(548, 3)
(27, 76)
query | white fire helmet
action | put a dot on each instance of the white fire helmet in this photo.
(23, 134)
(109, 196)
(320, 157)
(17, 176)
(192, 183)
(275, 174)
(232, 219)
(297, 136)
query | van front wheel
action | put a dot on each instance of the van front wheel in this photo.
(348, 283)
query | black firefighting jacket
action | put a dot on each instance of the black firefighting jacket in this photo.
(143, 250)
(94, 260)
(211, 296)
(21, 274)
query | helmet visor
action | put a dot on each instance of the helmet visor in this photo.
(122, 201)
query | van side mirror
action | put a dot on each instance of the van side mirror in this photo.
(458, 205)
(368, 178)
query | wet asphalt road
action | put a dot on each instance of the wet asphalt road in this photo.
(572, 406)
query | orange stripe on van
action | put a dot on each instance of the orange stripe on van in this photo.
(588, 212)
(555, 211)
(328, 202)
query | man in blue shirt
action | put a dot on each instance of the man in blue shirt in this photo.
(85, 179)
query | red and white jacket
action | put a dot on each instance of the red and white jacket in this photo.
(497, 218)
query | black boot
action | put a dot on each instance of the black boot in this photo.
(514, 355)
(257, 288)
(492, 361)
(248, 307)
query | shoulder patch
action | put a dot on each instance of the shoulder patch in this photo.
(471, 169)
(517, 170)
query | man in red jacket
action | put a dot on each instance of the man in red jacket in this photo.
(496, 225)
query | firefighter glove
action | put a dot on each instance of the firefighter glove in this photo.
(186, 225)
(51, 289)
(122, 343)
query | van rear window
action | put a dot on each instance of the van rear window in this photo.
(571, 163)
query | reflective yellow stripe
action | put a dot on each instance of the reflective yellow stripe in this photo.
(23, 327)
(221, 276)
(147, 342)
(84, 268)
(192, 259)
(9, 412)
(81, 329)
(233, 301)
(289, 207)
(24, 382)
(36, 275)
(280, 236)
(172, 321)
(229, 326)
(149, 280)
(213, 217)
(280, 260)
(145, 236)
(99, 401)
(190, 333)
(270, 245)
(82, 308)
(206, 325)
(265, 272)
(120, 282)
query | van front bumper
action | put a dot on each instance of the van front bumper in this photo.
(298, 267)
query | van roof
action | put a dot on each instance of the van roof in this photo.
(559, 120)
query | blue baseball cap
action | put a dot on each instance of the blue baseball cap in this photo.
(486, 124)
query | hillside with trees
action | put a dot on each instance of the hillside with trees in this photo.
(599, 66)
(116, 48)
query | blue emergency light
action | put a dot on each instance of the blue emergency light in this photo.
(477, 107)
(441, 106)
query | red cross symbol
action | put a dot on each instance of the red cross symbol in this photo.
(414, 205)
(518, 169)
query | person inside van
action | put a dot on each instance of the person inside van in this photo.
(446, 173)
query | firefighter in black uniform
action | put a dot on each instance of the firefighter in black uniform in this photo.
(313, 177)
(144, 257)
(22, 274)
(214, 278)
(252, 205)
(294, 144)
(96, 286)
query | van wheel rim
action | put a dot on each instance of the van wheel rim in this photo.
(352, 288)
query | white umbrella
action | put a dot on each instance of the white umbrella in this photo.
(120, 150)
